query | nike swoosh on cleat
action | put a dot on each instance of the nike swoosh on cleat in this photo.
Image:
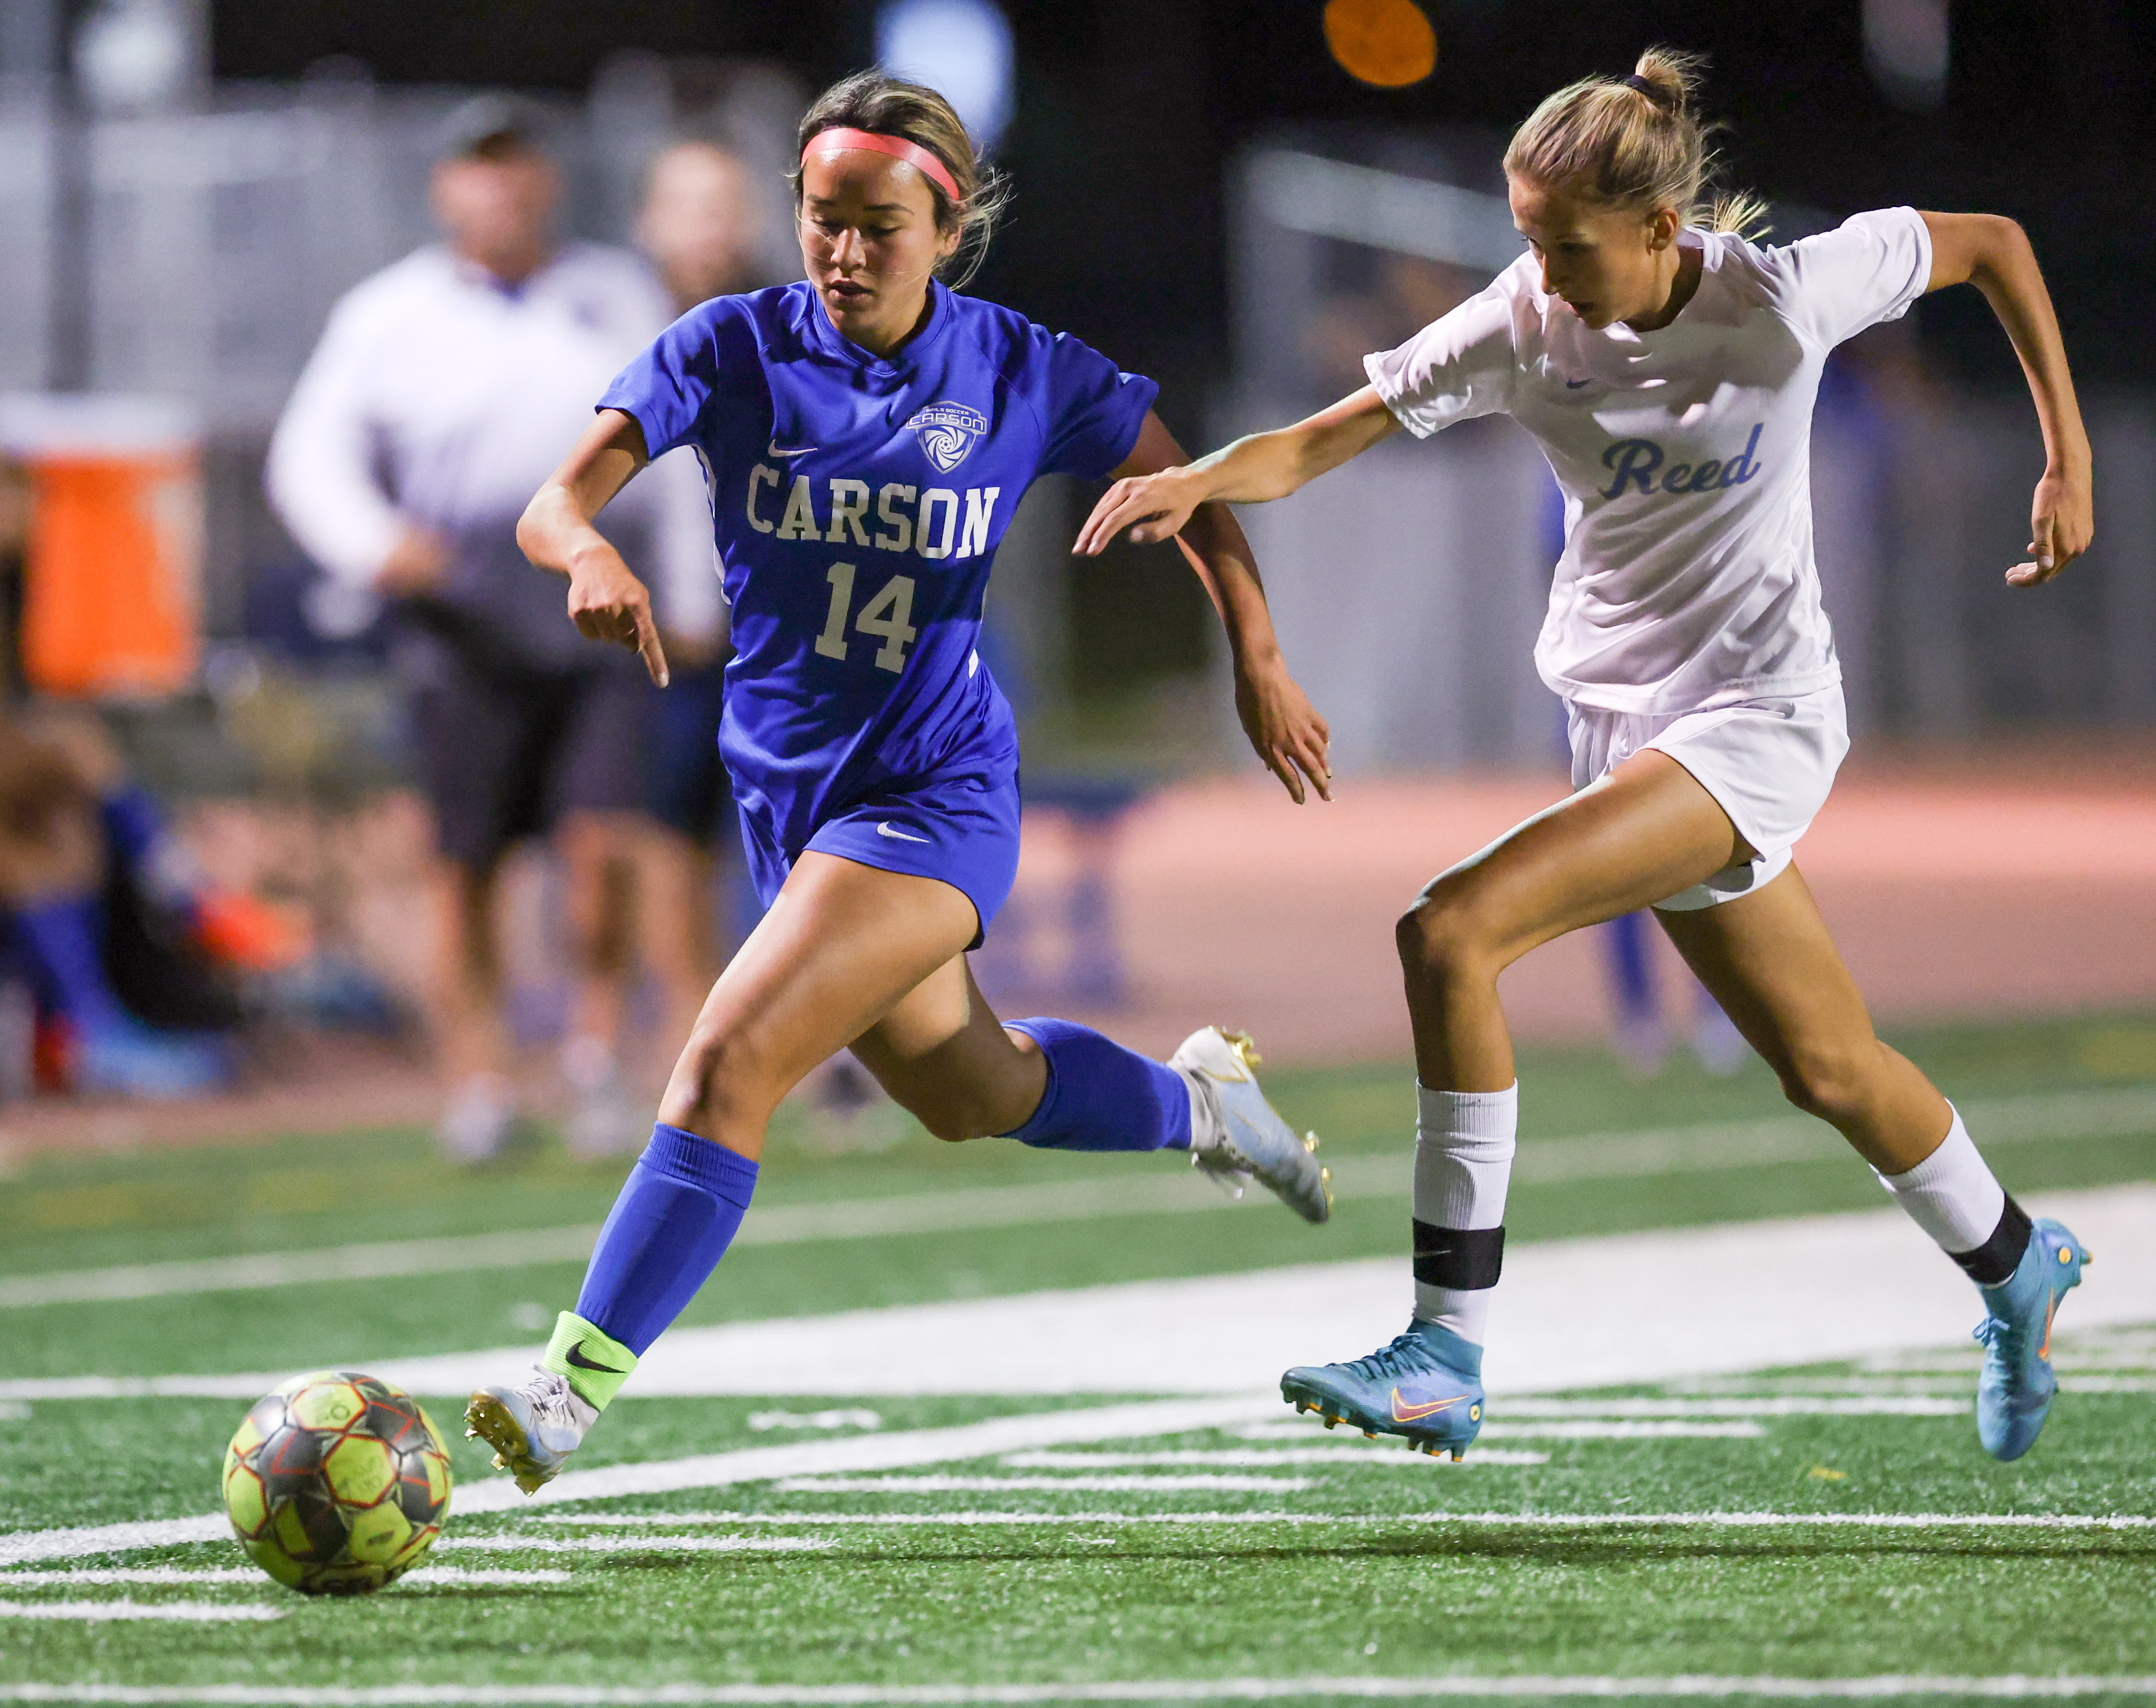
(1409, 1414)
(771, 448)
(575, 1355)
(1574, 385)
(2050, 1310)
(884, 828)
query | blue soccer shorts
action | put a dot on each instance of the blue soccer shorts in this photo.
(961, 831)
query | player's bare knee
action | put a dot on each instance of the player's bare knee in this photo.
(1828, 1082)
(1441, 938)
(725, 1073)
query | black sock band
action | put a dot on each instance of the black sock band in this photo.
(1463, 1259)
(2000, 1255)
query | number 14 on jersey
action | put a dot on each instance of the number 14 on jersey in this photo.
(887, 616)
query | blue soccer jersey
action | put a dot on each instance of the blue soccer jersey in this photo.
(859, 501)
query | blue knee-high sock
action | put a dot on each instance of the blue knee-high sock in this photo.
(1101, 1097)
(675, 1216)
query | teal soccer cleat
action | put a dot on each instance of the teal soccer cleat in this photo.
(2013, 1393)
(532, 1428)
(1247, 1135)
(1426, 1386)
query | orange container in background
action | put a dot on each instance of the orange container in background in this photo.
(113, 588)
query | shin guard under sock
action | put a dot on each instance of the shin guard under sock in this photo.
(1101, 1097)
(1954, 1196)
(1464, 1147)
(676, 1214)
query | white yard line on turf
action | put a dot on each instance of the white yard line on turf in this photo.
(1647, 1307)
(890, 1450)
(1778, 1405)
(36, 1579)
(1576, 1429)
(1514, 1686)
(1385, 1454)
(1489, 1521)
(1705, 1147)
(504, 1544)
(180, 1611)
(1002, 1485)
(833, 1520)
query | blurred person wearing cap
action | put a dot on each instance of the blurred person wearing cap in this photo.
(700, 227)
(442, 391)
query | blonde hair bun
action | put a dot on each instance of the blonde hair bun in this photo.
(1634, 142)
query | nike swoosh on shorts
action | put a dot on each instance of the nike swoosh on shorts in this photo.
(884, 828)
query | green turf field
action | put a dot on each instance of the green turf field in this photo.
(1836, 1523)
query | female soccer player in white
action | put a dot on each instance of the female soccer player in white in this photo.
(1668, 368)
(868, 433)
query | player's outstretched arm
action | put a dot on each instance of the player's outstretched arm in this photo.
(1992, 253)
(1277, 716)
(1252, 469)
(606, 601)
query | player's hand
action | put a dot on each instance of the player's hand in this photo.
(1154, 507)
(608, 602)
(2061, 523)
(1284, 727)
(416, 564)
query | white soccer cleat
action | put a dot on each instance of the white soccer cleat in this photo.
(1244, 1135)
(532, 1428)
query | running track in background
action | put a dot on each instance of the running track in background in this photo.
(1951, 896)
(2015, 885)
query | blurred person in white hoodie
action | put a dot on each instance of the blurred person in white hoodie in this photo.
(444, 389)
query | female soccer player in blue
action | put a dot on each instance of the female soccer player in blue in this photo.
(867, 434)
(1667, 368)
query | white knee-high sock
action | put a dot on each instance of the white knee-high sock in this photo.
(1464, 1146)
(1954, 1196)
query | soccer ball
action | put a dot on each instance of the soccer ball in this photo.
(336, 1482)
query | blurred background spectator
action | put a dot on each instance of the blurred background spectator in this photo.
(442, 394)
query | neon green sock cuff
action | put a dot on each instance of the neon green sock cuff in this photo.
(595, 1363)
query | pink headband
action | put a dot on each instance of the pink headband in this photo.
(897, 147)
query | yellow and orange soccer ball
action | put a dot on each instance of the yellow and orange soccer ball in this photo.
(336, 1483)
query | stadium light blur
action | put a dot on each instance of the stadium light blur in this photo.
(962, 48)
(1389, 43)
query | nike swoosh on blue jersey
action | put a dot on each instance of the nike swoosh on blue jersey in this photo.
(771, 449)
(884, 828)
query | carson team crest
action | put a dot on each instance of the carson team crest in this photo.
(946, 431)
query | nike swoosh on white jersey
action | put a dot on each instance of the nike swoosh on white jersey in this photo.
(771, 449)
(884, 828)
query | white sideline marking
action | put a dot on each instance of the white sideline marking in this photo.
(1579, 1429)
(2009, 1686)
(501, 1543)
(1695, 1148)
(185, 1612)
(247, 1574)
(1694, 1301)
(1434, 1515)
(75, 1541)
(1325, 1452)
(834, 1518)
(894, 1451)
(1002, 1485)
(1778, 1405)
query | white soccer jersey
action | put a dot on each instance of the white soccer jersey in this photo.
(1687, 578)
(436, 396)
